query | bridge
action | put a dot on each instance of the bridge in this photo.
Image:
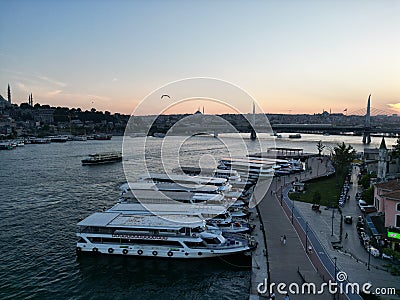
(335, 129)
(365, 129)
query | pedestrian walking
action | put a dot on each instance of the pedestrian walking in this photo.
(284, 240)
(346, 235)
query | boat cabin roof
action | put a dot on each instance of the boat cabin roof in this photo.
(172, 195)
(168, 187)
(118, 219)
(106, 154)
(184, 178)
(170, 208)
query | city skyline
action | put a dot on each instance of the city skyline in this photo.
(292, 57)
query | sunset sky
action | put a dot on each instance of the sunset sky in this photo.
(291, 56)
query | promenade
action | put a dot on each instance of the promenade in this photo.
(288, 263)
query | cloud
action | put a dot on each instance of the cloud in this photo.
(53, 93)
(114, 79)
(22, 86)
(52, 81)
(394, 105)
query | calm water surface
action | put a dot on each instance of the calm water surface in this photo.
(44, 191)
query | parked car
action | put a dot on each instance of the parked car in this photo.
(368, 209)
(374, 252)
(385, 256)
(348, 219)
(362, 203)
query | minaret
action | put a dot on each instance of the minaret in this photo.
(382, 161)
(253, 135)
(9, 94)
(367, 127)
(31, 99)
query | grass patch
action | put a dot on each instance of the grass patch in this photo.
(329, 188)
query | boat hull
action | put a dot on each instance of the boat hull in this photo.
(98, 162)
(162, 252)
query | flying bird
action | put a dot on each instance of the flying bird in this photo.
(165, 96)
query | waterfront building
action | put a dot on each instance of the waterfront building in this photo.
(387, 202)
(382, 161)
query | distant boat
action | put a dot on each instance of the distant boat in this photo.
(102, 137)
(58, 139)
(6, 146)
(295, 136)
(79, 138)
(102, 158)
(159, 135)
(40, 140)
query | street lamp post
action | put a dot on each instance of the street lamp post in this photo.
(333, 216)
(335, 258)
(292, 209)
(369, 256)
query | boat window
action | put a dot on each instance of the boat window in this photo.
(110, 240)
(224, 224)
(195, 244)
(197, 229)
(168, 243)
(94, 239)
(212, 241)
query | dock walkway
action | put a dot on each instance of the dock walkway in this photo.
(288, 263)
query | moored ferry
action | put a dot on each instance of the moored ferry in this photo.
(102, 158)
(221, 183)
(178, 236)
(215, 215)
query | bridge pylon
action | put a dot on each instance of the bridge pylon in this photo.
(367, 126)
(253, 134)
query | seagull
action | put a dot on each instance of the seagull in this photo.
(165, 96)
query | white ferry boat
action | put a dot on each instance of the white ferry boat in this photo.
(173, 187)
(230, 175)
(166, 196)
(215, 215)
(147, 235)
(248, 169)
(102, 158)
(221, 183)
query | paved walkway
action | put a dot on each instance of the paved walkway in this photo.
(288, 263)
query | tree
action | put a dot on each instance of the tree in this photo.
(343, 155)
(366, 180)
(368, 195)
(396, 149)
(320, 147)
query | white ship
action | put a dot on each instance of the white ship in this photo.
(178, 236)
(221, 183)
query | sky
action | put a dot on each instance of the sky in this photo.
(291, 56)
